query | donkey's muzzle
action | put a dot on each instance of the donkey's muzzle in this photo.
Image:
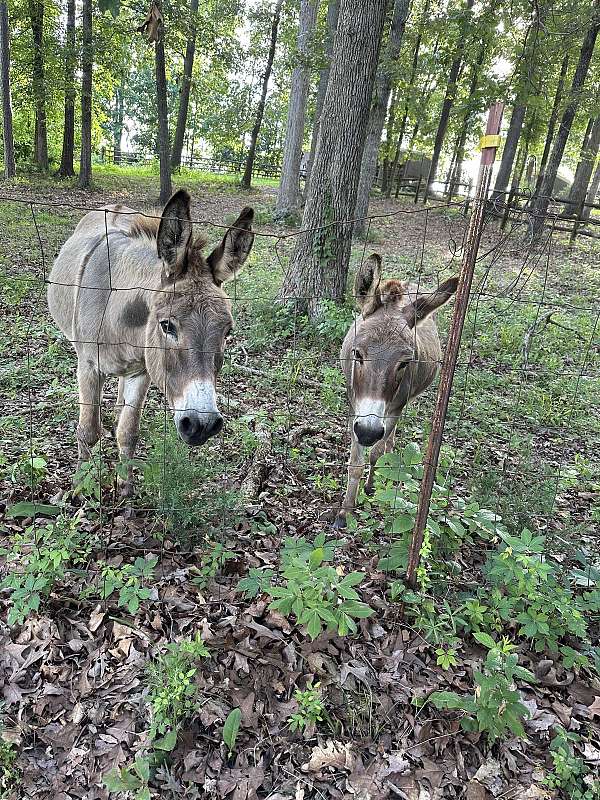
(368, 432)
(195, 429)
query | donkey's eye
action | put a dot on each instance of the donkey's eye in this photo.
(402, 365)
(358, 356)
(168, 328)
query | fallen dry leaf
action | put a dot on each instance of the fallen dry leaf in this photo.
(332, 754)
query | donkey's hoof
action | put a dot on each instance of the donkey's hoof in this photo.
(340, 522)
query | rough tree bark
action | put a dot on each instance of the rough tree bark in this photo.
(381, 98)
(87, 64)
(40, 148)
(186, 85)
(163, 118)
(449, 98)
(66, 169)
(333, 12)
(246, 181)
(540, 205)
(7, 123)
(288, 197)
(552, 122)
(510, 149)
(319, 264)
(585, 167)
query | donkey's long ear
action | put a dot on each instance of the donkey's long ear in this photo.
(175, 234)
(227, 259)
(426, 304)
(366, 285)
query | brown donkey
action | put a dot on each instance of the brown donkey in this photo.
(390, 355)
(137, 299)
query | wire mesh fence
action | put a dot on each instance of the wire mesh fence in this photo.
(520, 442)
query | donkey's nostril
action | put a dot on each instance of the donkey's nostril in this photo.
(367, 434)
(215, 427)
(195, 429)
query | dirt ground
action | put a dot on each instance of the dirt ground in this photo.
(75, 672)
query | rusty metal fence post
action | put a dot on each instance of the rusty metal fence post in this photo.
(489, 145)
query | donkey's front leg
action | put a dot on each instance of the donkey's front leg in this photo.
(133, 397)
(356, 468)
(90, 383)
(385, 445)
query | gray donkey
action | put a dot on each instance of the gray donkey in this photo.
(137, 299)
(390, 355)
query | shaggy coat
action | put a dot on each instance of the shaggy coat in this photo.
(137, 299)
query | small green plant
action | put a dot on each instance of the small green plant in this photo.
(171, 697)
(452, 520)
(29, 470)
(130, 779)
(231, 728)
(172, 689)
(310, 707)
(495, 706)
(528, 587)
(127, 581)
(93, 477)
(570, 774)
(311, 589)
(41, 557)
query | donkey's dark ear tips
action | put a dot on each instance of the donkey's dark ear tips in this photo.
(180, 196)
(246, 214)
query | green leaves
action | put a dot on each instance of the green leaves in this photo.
(231, 728)
(311, 589)
(28, 509)
(495, 705)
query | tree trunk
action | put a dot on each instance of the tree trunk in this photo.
(592, 192)
(449, 98)
(383, 88)
(163, 116)
(66, 169)
(7, 122)
(540, 206)
(36, 14)
(319, 264)
(288, 198)
(510, 149)
(411, 81)
(117, 122)
(387, 147)
(333, 11)
(87, 64)
(552, 122)
(584, 170)
(247, 176)
(186, 85)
